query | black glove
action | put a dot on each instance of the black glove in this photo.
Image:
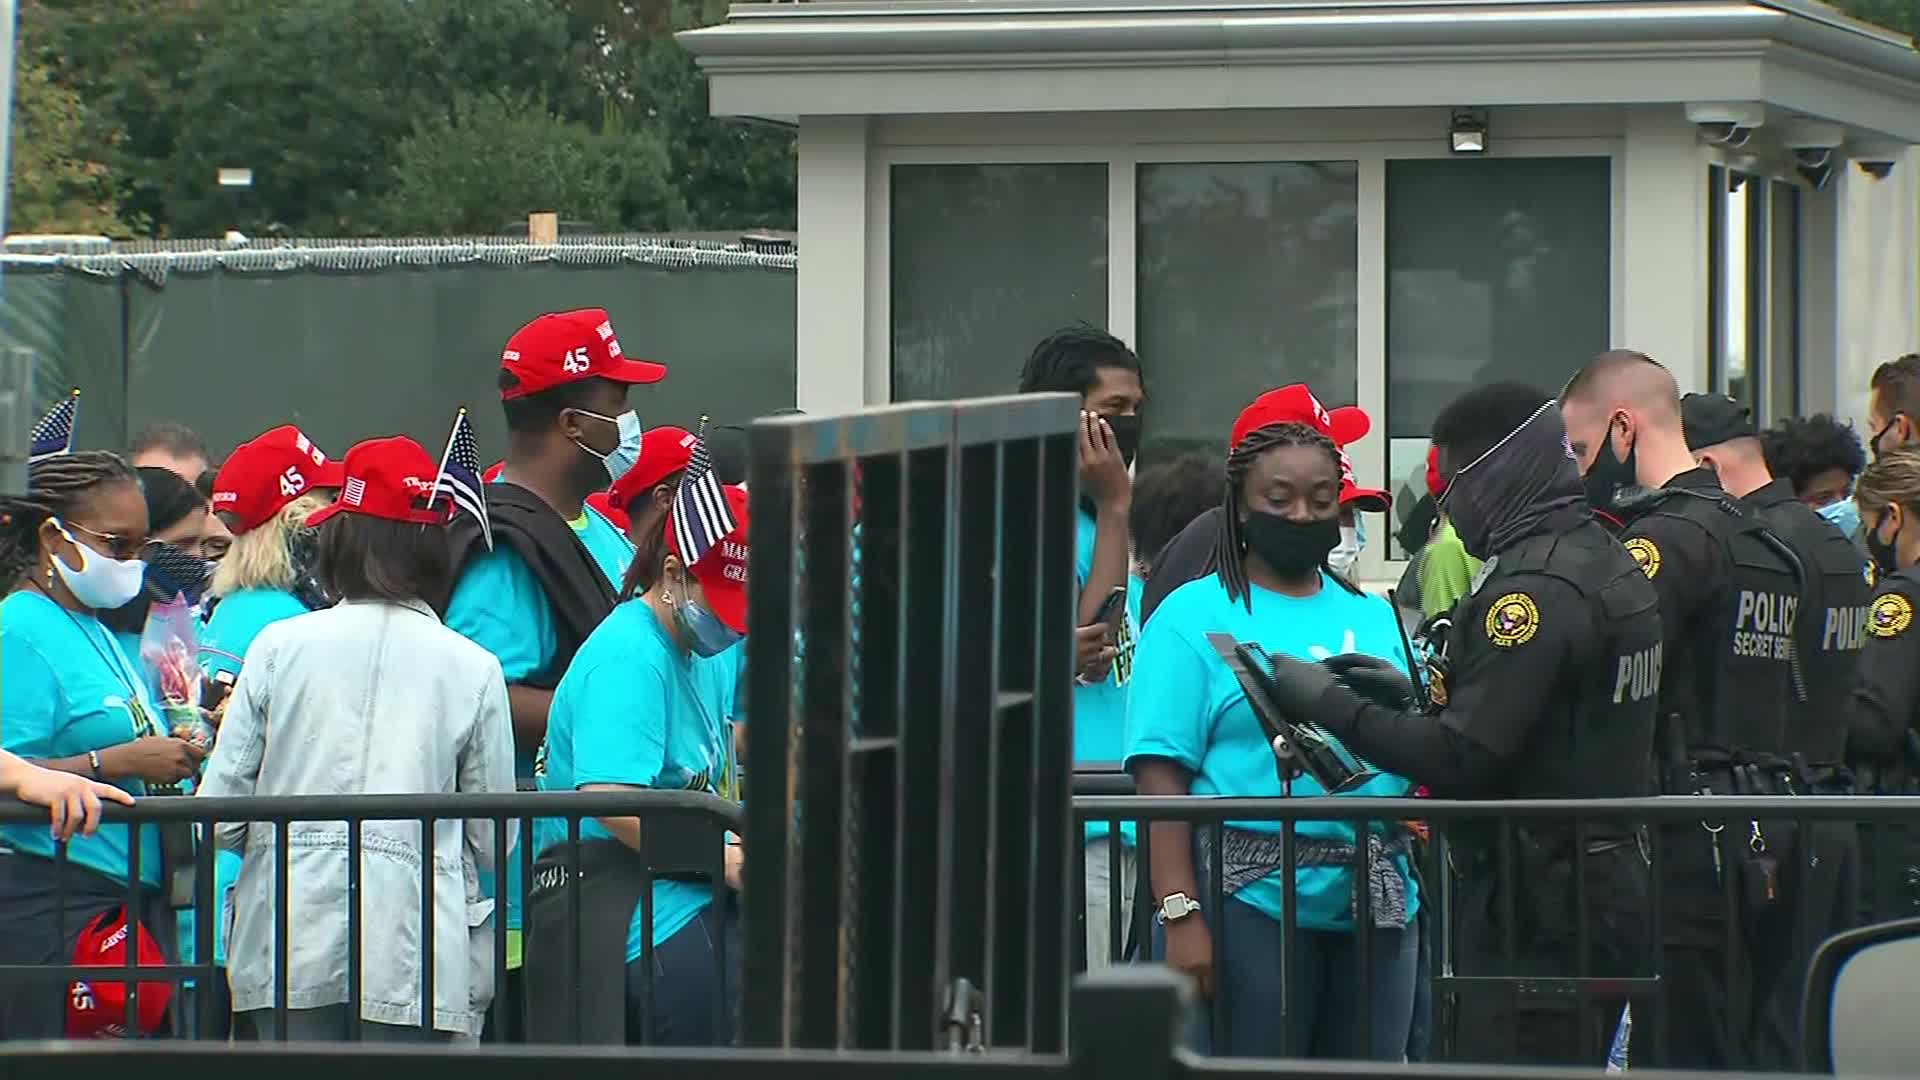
(1298, 687)
(1373, 678)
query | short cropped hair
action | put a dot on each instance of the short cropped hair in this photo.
(1898, 383)
(175, 440)
(1477, 420)
(538, 412)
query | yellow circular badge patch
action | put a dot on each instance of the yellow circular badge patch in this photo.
(1892, 613)
(1645, 555)
(1513, 620)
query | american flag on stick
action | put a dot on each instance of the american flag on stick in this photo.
(53, 435)
(459, 476)
(701, 517)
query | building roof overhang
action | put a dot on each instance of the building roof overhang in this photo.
(903, 57)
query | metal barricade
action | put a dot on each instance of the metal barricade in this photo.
(684, 836)
(1580, 989)
(905, 791)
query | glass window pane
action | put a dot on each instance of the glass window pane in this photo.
(1783, 305)
(986, 261)
(1735, 292)
(1246, 281)
(1497, 268)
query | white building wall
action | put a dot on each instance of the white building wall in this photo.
(1878, 277)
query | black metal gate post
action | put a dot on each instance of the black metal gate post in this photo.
(909, 735)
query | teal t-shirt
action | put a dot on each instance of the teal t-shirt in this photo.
(633, 709)
(67, 687)
(1100, 709)
(237, 619)
(1187, 706)
(498, 605)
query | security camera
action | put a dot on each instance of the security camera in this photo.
(1726, 124)
(1812, 143)
(1876, 159)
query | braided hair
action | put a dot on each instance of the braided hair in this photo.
(1231, 554)
(55, 488)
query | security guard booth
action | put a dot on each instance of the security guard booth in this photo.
(1390, 201)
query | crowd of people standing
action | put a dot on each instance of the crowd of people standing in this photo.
(1612, 591)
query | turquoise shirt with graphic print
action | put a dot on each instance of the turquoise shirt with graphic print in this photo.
(1100, 709)
(1187, 706)
(498, 604)
(67, 687)
(634, 709)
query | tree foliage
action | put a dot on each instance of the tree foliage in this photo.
(369, 117)
(57, 186)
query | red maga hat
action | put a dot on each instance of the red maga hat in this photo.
(566, 347)
(664, 450)
(1296, 404)
(266, 473)
(723, 572)
(389, 478)
(1373, 500)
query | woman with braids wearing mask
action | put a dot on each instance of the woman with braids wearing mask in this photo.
(74, 701)
(1191, 730)
(265, 492)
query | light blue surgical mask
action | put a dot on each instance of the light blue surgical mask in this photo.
(1844, 515)
(705, 634)
(625, 454)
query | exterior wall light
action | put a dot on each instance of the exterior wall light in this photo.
(1468, 132)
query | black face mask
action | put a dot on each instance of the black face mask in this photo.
(1886, 559)
(1290, 547)
(1126, 435)
(303, 551)
(1611, 473)
(1873, 443)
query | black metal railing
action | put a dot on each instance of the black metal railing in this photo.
(904, 787)
(1496, 827)
(683, 836)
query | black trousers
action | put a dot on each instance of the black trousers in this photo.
(1708, 964)
(1495, 1025)
(1819, 902)
(1889, 872)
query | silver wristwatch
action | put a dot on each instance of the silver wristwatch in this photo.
(1174, 907)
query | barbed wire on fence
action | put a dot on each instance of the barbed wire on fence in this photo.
(155, 261)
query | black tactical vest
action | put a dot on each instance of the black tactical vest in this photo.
(1830, 628)
(1733, 675)
(1596, 740)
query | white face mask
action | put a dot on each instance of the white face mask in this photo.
(101, 583)
(1347, 552)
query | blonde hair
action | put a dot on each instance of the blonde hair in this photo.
(259, 558)
(1892, 479)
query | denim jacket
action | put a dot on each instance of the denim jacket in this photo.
(365, 698)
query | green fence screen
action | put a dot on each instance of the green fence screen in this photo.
(352, 342)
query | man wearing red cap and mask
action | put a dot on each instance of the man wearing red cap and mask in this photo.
(555, 566)
(1190, 554)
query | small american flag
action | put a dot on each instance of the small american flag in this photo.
(53, 435)
(701, 517)
(459, 476)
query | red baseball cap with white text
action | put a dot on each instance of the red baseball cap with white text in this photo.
(664, 450)
(267, 472)
(389, 478)
(567, 347)
(722, 573)
(1296, 404)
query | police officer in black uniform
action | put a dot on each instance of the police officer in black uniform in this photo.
(1823, 878)
(1549, 690)
(1729, 590)
(1885, 705)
